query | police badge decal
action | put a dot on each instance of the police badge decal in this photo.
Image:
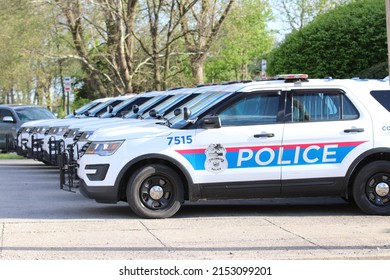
(216, 161)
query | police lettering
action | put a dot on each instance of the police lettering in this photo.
(295, 155)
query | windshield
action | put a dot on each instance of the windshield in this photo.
(197, 106)
(147, 106)
(32, 114)
(87, 107)
(125, 107)
(170, 104)
(102, 108)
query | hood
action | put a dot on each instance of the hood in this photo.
(45, 122)
(78, 123)
(143, 130)
(114, 123)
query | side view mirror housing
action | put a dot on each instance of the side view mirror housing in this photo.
(177, 111)
(210, 122)
(135, 109)
(8, 119)
(153, 113)
(186, 113)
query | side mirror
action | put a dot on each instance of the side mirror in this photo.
(8, 119)
(110, 109)
(177, 111)
(153, 113)
(135, 109)
(186, 113)
(210, 122)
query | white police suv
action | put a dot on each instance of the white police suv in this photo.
(291, 136)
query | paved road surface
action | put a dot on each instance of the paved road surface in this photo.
(40, 221)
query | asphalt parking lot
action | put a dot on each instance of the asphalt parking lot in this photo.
(40, 221)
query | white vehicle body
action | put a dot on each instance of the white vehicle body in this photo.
(85, 131)
(36, 129)
(51, 137)
(268, 139)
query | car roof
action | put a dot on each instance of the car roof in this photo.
(19, 106)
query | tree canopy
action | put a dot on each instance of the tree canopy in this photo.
(340, 43)
(113, 47)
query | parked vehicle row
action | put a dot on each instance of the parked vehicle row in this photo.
(281, 137)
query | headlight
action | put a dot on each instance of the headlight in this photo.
(85, 135)
(29, 130)
(59, 130)
(62, 130)
(71, 133)
(103, 148)
(43, 130)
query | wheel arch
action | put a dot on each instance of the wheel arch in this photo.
(360, 162)
(126, 172)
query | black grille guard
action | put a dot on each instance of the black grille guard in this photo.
(36, 148)
(10, 143)
(68, 168)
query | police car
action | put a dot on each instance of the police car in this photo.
(287, 137)
(159, 107)
(29, 136)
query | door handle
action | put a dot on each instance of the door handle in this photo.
(268, 135)
(351, 130)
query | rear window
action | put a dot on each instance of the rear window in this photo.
(383, 97)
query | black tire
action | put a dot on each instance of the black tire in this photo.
(371, 188)
(159, 181)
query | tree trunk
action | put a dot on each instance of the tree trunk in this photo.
(73, 14)
(205, 31)
(197, 66)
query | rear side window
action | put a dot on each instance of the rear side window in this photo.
(321, 105)
(383, 97)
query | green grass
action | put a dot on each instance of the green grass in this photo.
(10, 156)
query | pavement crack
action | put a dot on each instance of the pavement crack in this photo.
(295, 234)
(151, 233)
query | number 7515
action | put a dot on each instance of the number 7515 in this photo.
(176, 140)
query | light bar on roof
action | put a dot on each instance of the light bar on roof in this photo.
(284, 77)
(292, 76)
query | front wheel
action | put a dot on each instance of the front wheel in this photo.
(155, 191)
(371, 188)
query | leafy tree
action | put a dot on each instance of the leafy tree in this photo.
(23, 37)
(244, 39)
(340, 43)
(163, 33)
(200, 28)
(299, 13)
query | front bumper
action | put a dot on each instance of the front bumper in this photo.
(102, 194)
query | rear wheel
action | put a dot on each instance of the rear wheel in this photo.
(155, 191)
(371, 188)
